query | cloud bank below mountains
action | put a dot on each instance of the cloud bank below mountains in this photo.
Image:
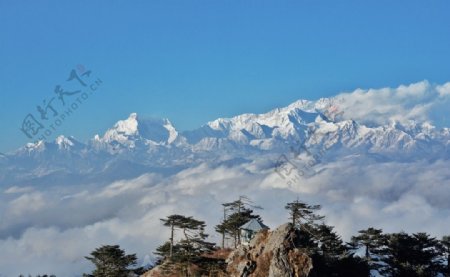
(50, 231)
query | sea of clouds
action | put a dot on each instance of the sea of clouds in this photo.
(50, 229)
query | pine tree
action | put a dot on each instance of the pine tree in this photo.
(190, 250)
(240, 213)
(445, 252)
(302, 214)
(427, 254)
(372, 240)
(173, 221)
(332, 258)
(330, 243)
(111, 261)
(411, 255)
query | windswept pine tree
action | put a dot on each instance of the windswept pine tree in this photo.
(178, 222)
(239, 213)
(302, 214)
(306, 221)
(190, 250)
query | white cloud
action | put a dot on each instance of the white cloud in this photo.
(16, 190)
(26, 204)
(420, 102)
(55, 236)
(444, 90)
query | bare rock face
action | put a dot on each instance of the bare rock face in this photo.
(269, 254)
(156, 272)
(272, 254)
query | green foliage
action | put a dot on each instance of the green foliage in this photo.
(183, 223)
(331, 257)
(330, 243)
(345, 266)
(305, 238)
(190, 250)
(445, 252)
(111, 261)
(395, 255)
(329, 254)
(372, 241)
(411, 255)
(163, 250)
(302, 213)
(392, 255)
(39, 275)
(240, 212)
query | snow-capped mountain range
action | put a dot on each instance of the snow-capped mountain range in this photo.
(137, 145)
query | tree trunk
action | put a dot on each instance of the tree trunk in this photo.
(448, 263)
(223, 232)
(171, 240)
(239, 216)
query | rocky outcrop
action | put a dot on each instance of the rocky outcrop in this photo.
(218, 256)
(272, 254)
(269, 254)
(156, 272)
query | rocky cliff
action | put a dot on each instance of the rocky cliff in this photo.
(272, 254)
(269, 254)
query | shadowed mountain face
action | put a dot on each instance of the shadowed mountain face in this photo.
(134, 145)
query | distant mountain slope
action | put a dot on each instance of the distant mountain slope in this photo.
(135, 145)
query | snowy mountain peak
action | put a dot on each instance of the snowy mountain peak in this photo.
(173, 133)
(122, 131)
(40, 145)
(301, 104)
(31, 147)
(126, 127)
(63, 141)
(133, 116)
(135, 132)
(314, 123)
(277, 123)
(68, 143)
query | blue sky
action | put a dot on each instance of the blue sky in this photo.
(194, 61)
